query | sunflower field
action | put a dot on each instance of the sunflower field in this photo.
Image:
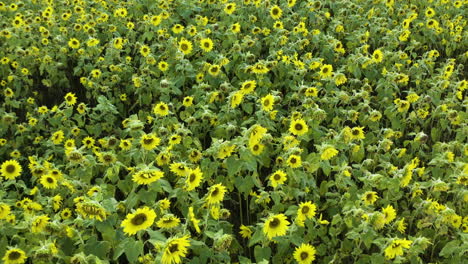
(233, 131)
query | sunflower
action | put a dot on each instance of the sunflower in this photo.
(294, 161)
(175, 249)
(168, 221)
(396, 248)
(195, 155)
(4, 210)
(179, 169)
(401, 225)
(230, 8)
(145, 177)
(214, 70)
(39, 223)
(276, 225)
(149, 141)
(161, 109)
(188, 101)
(185, 46)
(14, 256)
(236, 99)
(88, 142)
(328, 153)
(66, 213)
(91, 210)
(194, 178)
(145, 50)
(216, 194)
(245, 231)
(48, 181)
(389, 214)
(70, 99)
(74, 43)
(298, 127)
(248, 87)
(141, 219)
(256, 148)
(357, 133)
(377, 56)
(326, 71)
(11, 169)
(306, 210)
(175, 139)
(369, 197)
(305, 254)
(278, 177)
(163, 66)
(206, 44)
(276, 12)
(267, 102)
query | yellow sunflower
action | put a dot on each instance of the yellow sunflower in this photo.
(161, 109)
(4, 210)
(14, 256)
(70, 98)
(326, 71)
(370, 197)
(168, 221)
(277, 178)
(294, 161)
(149, 141)
(11, 169)
(256, 148)
(179, 169)
(305, 211)
(276, 12)
(216, 194)
(396, 248)
(328, 153)
(141, 219)
(194, 178)
(305, 254)
(276, 225)
(267, 102)
(206, 44)
(48, 181)
(91, 210)
(298, 127)
(39, 223)
(145, 177)
(185, 46)
(175, 249)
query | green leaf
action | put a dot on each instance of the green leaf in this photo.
(262, 253)
(449, 248)
(133, 249)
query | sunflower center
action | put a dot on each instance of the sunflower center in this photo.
(147, 141)
(173, 248)
(325, 70)
(275, 11)
(162, 107)
(215, 192)
(184, 46)
(139, 219)
(298, 126)
(277, 177)
(10, 168)
(14, 255)
(355, 132)
(107, 158)
(266, 102)
(192, 177)
(305, 209)
(275, 223)
(304, 255)
(207, 45)
(256, 147)
(293, 160)
(50, 180)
